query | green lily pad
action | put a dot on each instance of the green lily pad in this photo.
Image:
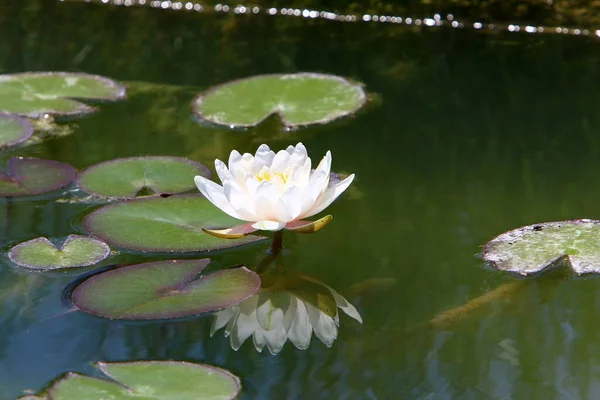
(76, 251)
(149, 380)
(533, 248)
(172, 224)
(163, 289)
(32, 176)
(34, 94)
(14, 130)
(298, 99)
(127, 177)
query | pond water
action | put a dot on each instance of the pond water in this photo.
(467, 134)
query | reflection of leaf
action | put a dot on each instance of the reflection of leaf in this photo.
(31, 176)
(172, 224)
(126, 177)
(531, 249)
(299, 99)
(163, 289)
(76, 251)
(34, 94)
(156, 380)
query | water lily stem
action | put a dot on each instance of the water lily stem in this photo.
(277, 243)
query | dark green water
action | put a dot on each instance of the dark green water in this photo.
(468, 135)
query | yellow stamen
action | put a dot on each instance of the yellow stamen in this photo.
(267, 175)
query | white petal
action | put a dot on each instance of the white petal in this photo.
(222, 318)
(259, 340)
(222, 171)
(263, 157)
(300, 176)
(269, 225)
(246, 323)
(266, 197)
(275, 339)
(289, 205)
(300, 331)
(323, 325)
(271, 309)
(290, 149)
(239, 200)
(281, 161)
(231, 324)
(234, 158)
(328, 197)
(214, 194)
(345, 305)
(299, 155)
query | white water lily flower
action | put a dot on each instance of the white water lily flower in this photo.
(275, 315)
(272, 191)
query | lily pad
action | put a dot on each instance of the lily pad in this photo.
(32, 176)
(172, 224)
(156, 380)
(34, 94)
(533, 248)
(298, 99)
(163, 289)
(76, 251)
(14, 130)
(127, 177)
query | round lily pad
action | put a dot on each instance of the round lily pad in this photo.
(75, 251)
(34, 94)
(533, 248)
(14, 130)
(156, 380)
(127, 177)
(163, 289)
(32, 176)
(298, 99)
(172, 224)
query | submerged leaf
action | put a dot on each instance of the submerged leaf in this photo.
(172, 224)
(14, 130)
(34, 94)
(299, 99)
(76, 251)
(32, 176)
(163, 289)
(127, 177)
(533, 248)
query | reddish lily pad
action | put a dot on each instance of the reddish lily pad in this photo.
(33, 94)
(75, 251)
(32, 176)
(163, 289)
(156, 380)
(14, 130)
(127, 177)
(172, 224)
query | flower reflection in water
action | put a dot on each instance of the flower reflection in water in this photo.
(288, 306)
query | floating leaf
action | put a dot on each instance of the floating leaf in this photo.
(31, 176)
(156, 380)
(531, 249)
(34, 94)
(126, 177)
(172, 224)
(299, 99)
(14, 130)
(163, 289)
(76, 251)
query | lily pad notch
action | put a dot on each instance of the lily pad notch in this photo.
(299, 99)
(159, 380)
(75, 251)
(35, 94)
(533, 249)
(128, 177)
(14, 130)
(163, 290)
